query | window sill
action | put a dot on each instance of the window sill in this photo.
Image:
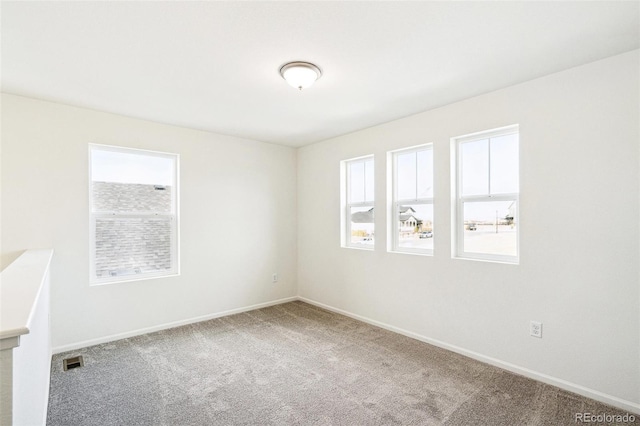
(359, 248)
(412, 253)
(499, 261)
(132, 278)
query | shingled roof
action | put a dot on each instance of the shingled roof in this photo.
(362, 217)
(404, 209)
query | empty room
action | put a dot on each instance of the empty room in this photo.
(320, 213)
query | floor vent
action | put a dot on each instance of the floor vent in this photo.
(74, 362)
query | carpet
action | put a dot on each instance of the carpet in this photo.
(295, 364)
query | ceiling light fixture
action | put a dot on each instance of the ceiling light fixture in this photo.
(300, 74)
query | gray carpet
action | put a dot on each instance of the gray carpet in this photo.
(295, 364)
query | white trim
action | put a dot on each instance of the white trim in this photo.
(614, 401)
(487, 134)
(394, 214)
(173, 216)
(346, 205)
(118, 148)
(134, 277)
(344, 226)
(360, 247)
(458, 200)
(179, 323)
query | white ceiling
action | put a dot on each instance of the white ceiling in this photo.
(214, 65)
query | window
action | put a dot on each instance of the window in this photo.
(487, 192)
(133, 198)
(358, 198)
(412, 195)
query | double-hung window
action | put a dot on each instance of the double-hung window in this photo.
(487, 193)
(358, 202)
(133, 197)
(412, 188)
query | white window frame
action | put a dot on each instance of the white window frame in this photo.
(347, 204)
(459, 200)
(396, 203)
(173, 216)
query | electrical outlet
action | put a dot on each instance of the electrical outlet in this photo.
(535, 329)
(275, 278)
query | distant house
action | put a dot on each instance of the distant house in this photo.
(410, 223)
(407, 219)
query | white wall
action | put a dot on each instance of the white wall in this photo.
(32, 363)
(238, 218)
(578, 273)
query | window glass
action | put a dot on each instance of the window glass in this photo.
(504, 164)
(356, 182)
(143, 246)
(358, 190)
(475, 167)
(415, 226)
(487, 194)
(369, 186)
(362, 225)
(424, 173)
(133, 211)
(406, 176)
(412, 218)
(490, 227)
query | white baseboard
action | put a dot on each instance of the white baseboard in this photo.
(629, 406)
(614, 401)
(113, 337)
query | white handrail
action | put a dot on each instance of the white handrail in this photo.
(25, 360)
(20, 285)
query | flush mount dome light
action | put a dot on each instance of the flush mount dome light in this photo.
(300, 74)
